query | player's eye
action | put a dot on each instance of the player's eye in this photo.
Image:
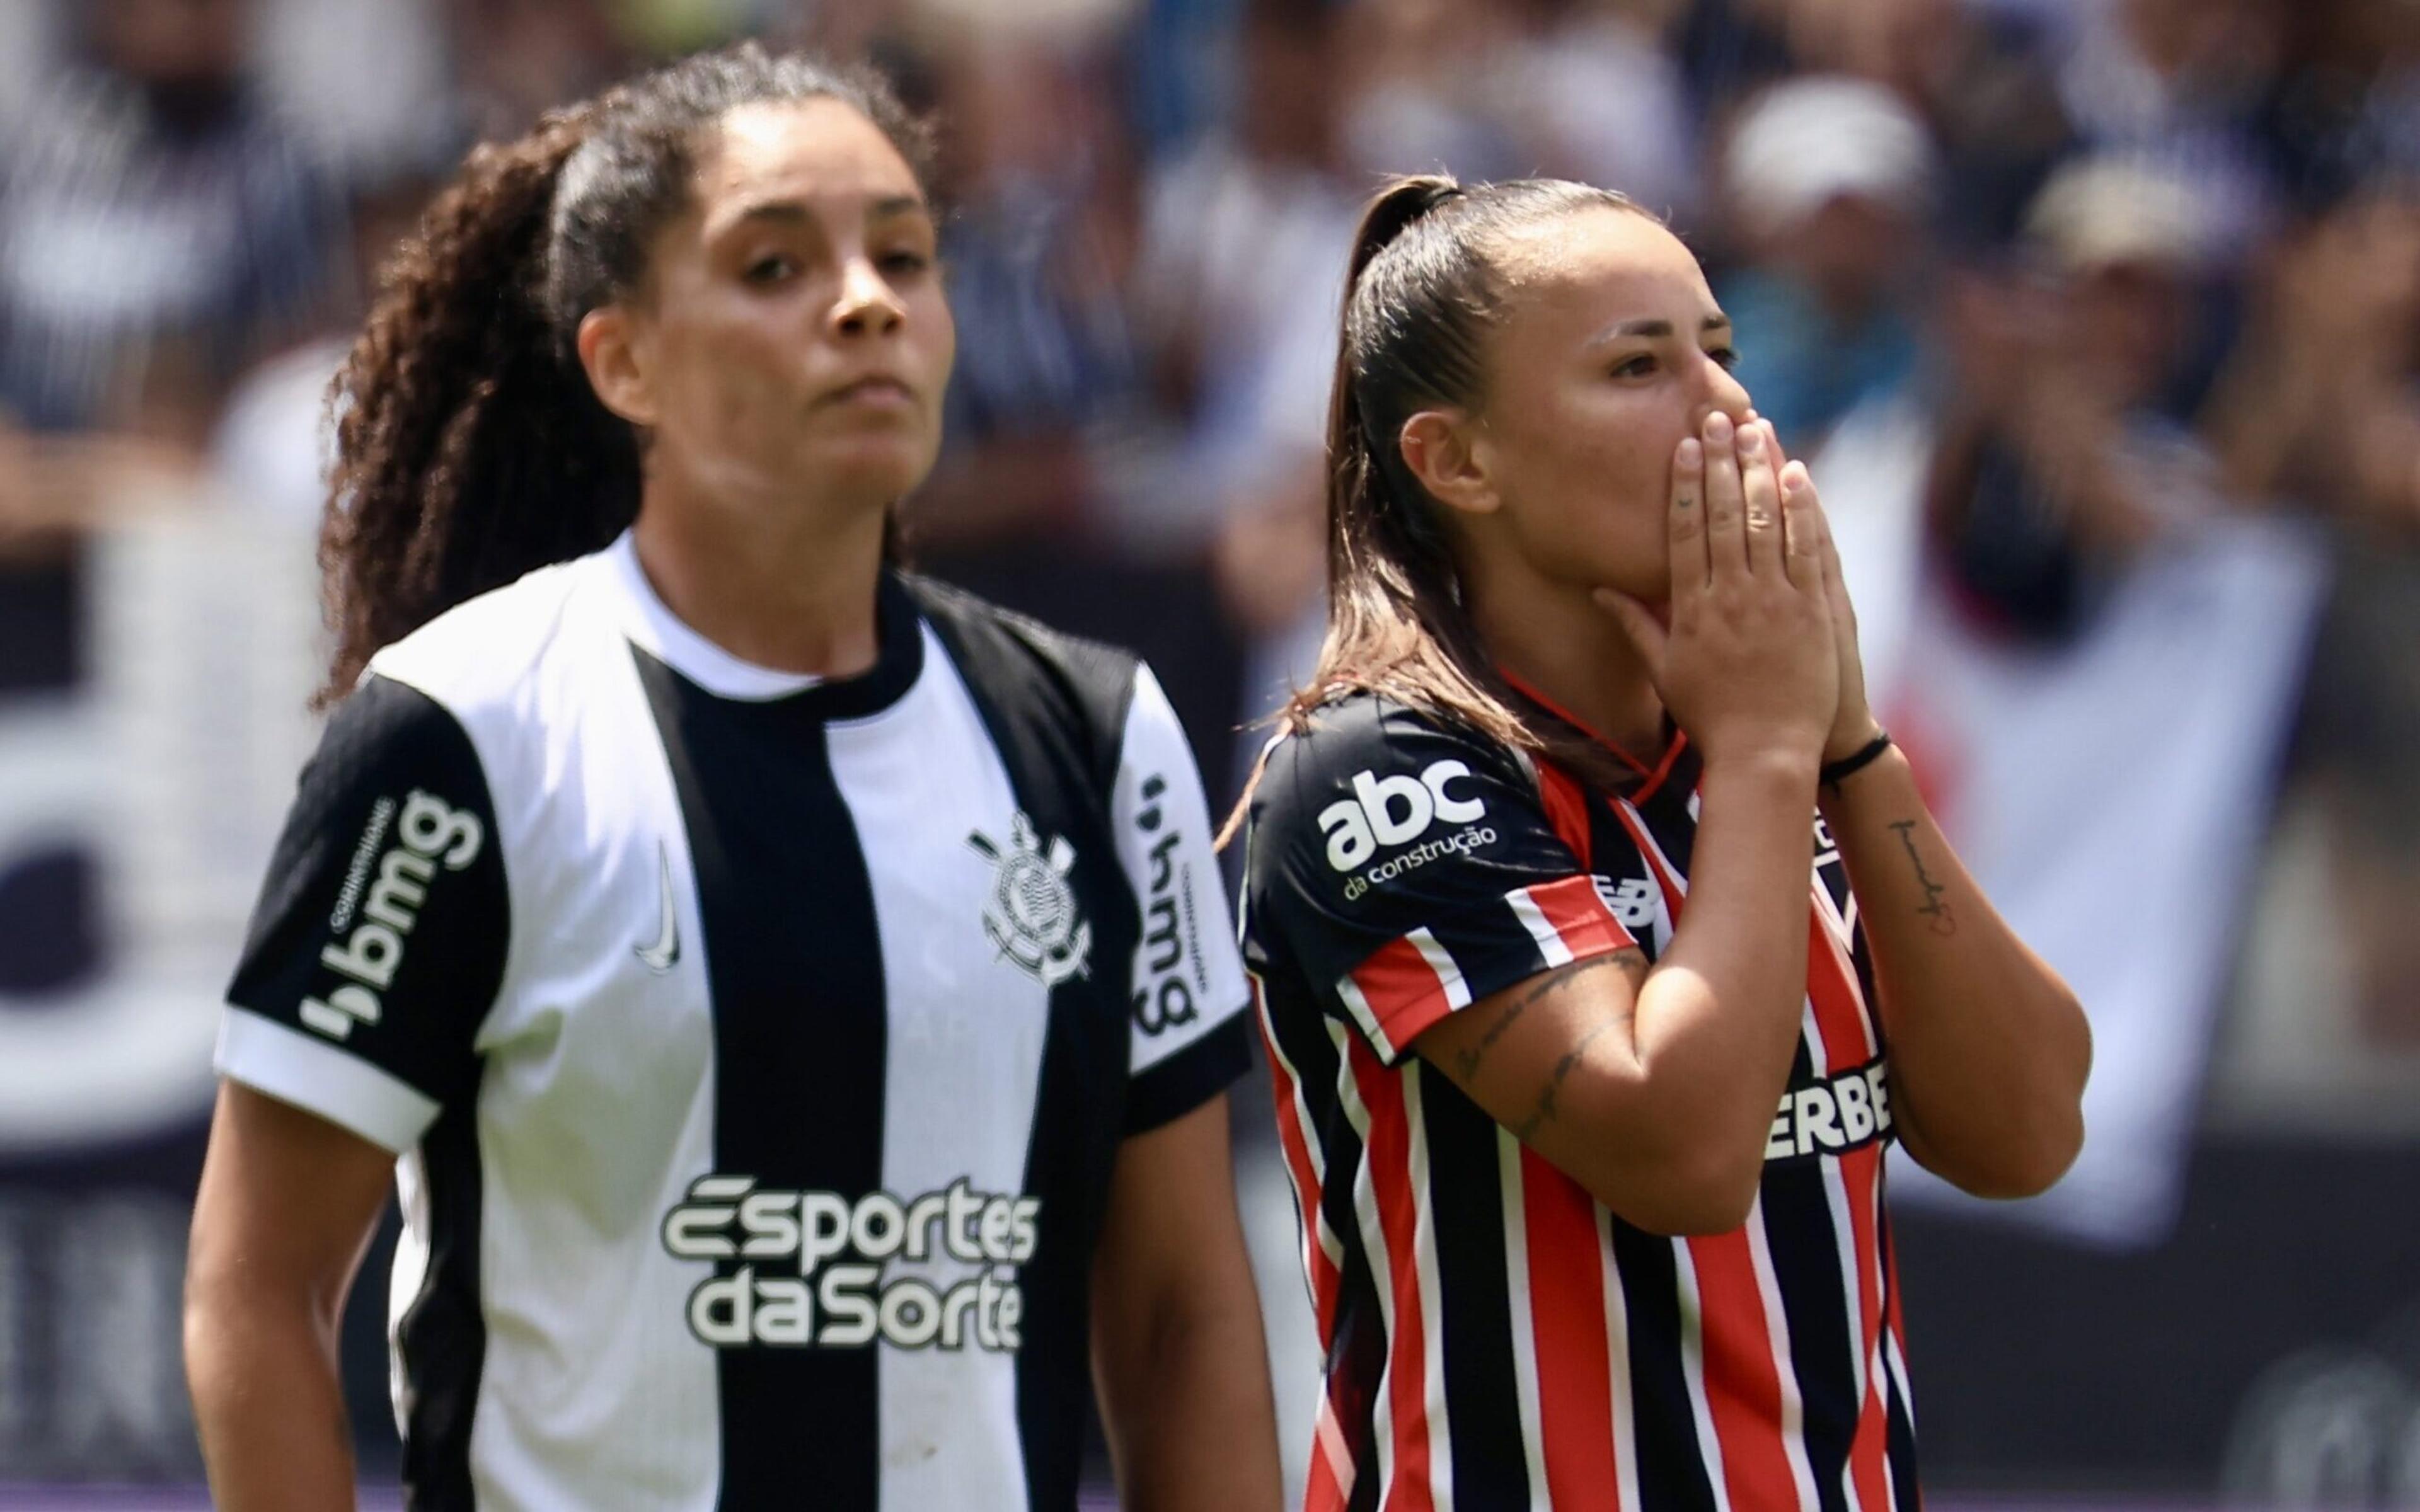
(771, 268)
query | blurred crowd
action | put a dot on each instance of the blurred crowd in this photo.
(2104, 273)
(2099, 320)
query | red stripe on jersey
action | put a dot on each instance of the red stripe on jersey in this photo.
(1579, 917)
(1389, 1152)
(1294, 1140)
(1567, 1321)
(1870, 1450)
(1329, 1487)
(1404, 993)
(1742, 1379)
(1840, 1003)
(1567, 809)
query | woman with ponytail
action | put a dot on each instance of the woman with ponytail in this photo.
(1605, 941)
(756, 970)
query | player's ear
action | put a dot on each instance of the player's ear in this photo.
(1448, 450)
(616, 351)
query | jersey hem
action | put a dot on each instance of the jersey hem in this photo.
(319, 1078)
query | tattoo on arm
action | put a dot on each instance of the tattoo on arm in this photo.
(1633, 963)
(1936, 912)
(1544, 1113)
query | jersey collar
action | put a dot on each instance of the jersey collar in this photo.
(654, 629)
(1651, 779)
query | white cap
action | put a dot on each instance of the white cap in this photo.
(2113, 210)
(1807, 142)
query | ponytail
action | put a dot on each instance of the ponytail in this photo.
(470, 446)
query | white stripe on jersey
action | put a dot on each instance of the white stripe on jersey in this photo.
(1521, 1308)
(958, 1094)
(1533, 918)
(1424, 1259)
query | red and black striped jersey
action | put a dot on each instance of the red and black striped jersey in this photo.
(1494, 1337)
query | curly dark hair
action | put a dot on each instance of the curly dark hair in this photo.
(471, 448)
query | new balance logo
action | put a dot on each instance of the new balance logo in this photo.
(661, 956)
(1393, 810)
(1630, 900)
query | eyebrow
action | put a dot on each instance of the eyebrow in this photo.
(793, 211)
(1716, 321)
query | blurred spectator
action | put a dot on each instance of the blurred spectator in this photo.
(2322, 401)
(1829, 182)
(157, 229)
(1039, 244)
(515, 59)
(2055, 466)
(1593, 93)
(1244, 245)
(1419, 87)
(2184, 81)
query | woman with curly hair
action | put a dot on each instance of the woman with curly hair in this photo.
(791, 998)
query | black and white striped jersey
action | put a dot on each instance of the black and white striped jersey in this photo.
(755, 1048)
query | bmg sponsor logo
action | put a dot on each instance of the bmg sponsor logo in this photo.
(433, 833)
(1171, 974)
(796, 1299)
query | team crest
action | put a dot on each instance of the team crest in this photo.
(1030, 914)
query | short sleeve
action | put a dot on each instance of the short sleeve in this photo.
(380, 940)
(1192, 1036)
(1406, 868)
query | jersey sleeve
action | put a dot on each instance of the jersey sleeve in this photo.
(1190, 1033)
(380, 940)
(1406, 868)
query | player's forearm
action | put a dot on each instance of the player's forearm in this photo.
(1989, 1049)
(1719, 1016)
(267, 1402)
(1187, 1407)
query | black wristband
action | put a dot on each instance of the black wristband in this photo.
(1832, 773)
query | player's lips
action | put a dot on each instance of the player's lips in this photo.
(876, 390)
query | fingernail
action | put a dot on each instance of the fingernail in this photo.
(1718, 428)
(1751, 441)
(1693, 453)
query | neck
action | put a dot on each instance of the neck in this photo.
(1555, 638)
(786, 584)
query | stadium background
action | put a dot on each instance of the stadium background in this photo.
(2099, 319)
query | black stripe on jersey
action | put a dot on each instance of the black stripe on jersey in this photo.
(794, 963)
(1671, 1466)
(1055, 707)
(1806, 1269)
(1905, 1490)
(1481, 1401)
(442, 1340)
(1357, 1356)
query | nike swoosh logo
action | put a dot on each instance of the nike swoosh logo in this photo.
(660, 957)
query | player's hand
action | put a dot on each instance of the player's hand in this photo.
(1748, 664)
(1853, 726)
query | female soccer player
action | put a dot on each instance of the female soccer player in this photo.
(1586, 1049)
(796, 994)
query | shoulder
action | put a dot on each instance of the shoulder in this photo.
(476, 656)
(1028, 674)
(1009, 643)
(1361, 745)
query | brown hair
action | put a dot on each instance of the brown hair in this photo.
(1423, 289)
(471, 448)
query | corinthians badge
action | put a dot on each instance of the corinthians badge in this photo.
(1030, 914)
